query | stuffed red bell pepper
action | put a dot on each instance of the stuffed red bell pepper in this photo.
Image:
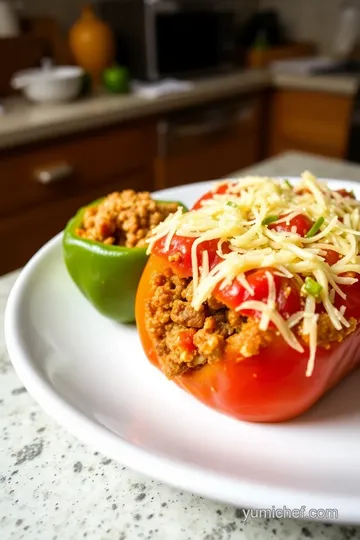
(251, 301)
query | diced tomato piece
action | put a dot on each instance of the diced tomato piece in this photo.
(179, 253)
(332, 257)
(288, 300)
(186, 339)
(105, 230)
(221, 190)
(346, 193)
(302, 222)
(352, 301)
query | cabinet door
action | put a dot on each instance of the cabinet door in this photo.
(209, 143)
(43, 185)
(315, 122)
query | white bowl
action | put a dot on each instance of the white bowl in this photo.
(50, 85)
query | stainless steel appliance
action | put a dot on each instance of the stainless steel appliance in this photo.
(162, 38)
(209, 141)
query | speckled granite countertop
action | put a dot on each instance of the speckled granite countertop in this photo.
(52, 487)
(24, 122)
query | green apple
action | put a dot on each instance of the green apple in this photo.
(116, 79)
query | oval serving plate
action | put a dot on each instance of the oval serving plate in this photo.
(92, 376)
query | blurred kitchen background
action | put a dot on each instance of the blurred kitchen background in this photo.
(149, 94)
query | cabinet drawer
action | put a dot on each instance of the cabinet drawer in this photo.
(44, 173)
(22, 235)
(209, 162)
(208, 142)
(194, 129)
(316, 122)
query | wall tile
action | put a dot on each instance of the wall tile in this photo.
(309, 20)
(67, 11)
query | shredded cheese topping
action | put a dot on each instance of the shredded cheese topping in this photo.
(241, 218)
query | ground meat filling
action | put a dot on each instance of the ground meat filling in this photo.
(326, 333)
(185, 338)
(124, 218)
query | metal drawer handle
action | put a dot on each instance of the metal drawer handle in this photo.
(53, 173)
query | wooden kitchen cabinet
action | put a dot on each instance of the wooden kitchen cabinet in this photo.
(43, 185)
(315, 122)
(208, 143)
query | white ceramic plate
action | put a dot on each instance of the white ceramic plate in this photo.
(92, 376)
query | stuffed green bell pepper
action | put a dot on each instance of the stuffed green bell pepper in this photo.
(104, 249)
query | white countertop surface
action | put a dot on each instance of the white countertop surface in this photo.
(24, 122)
(52, 487)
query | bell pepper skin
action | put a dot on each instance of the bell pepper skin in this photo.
(106, 275)
(269, 387)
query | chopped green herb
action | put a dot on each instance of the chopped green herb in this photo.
(269, 219)
(232, 204)
(288, 184)
(315, 228)
(312, 287)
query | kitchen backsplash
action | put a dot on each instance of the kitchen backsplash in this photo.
(67, 11)
(309, 20)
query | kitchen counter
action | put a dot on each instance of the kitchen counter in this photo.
(295, 163)
(53, 487)
(24, 123)
(335, 84)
